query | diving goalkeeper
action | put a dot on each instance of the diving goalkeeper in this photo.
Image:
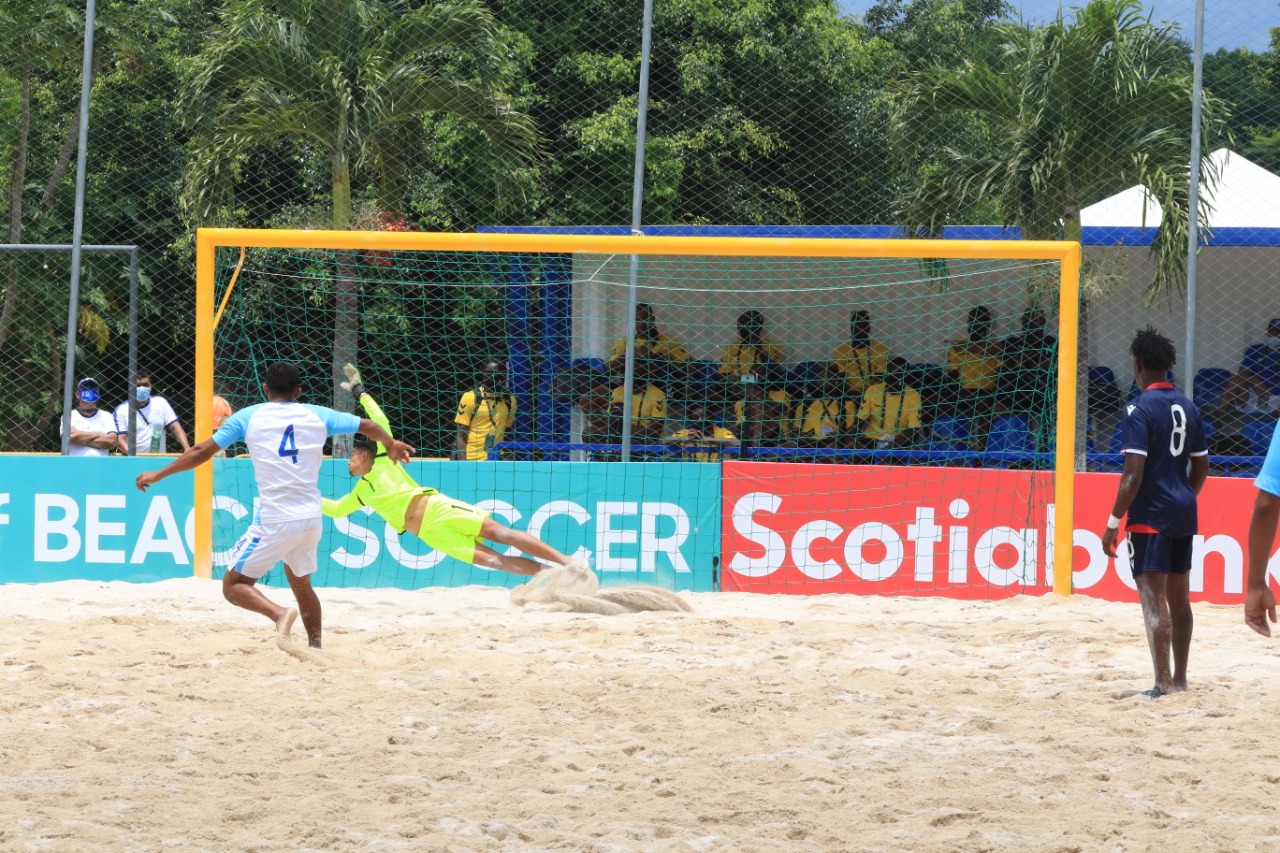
(450, 526)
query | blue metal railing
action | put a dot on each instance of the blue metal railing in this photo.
(1234, 466)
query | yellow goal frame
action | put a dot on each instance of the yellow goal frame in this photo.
(1067, 254)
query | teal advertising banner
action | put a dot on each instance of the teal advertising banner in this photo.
(64, 518)
(653, 523)
(81, 518)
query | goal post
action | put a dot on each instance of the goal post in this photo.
(1065, 255)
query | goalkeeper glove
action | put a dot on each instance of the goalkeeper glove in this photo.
(353, 381)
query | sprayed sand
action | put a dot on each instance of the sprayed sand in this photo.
(158, 717)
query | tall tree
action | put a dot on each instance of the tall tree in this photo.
(356, 79)
(1079, 109)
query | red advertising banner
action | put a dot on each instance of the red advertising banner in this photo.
(954, 532)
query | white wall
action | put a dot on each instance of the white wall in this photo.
(807, 303)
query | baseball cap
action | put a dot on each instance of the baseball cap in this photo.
(87, 390)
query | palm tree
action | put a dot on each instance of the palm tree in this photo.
(1075, 111)
(357, 79)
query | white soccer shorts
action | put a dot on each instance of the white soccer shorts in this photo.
(263, 545)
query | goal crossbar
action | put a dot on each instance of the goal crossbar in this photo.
(1066, 254)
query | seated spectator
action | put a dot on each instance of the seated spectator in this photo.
(861, 359)
(1261, 362)
(768, 421)
(890, 410)
(93, 430)
(648, 405)
(831, 419)
(1028, 367)
(754, 353)
(670, 360)
(1246, 398)
(973, 369)
(485, 413)
(155, 419)
(703, 435)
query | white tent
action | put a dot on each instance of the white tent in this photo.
(1238, 271)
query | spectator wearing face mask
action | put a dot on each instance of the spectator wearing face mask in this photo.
(93, 430)
(155, 419)
(485, 413)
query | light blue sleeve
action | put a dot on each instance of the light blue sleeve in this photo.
(233, 428)
(336, 423)
(1269, 477)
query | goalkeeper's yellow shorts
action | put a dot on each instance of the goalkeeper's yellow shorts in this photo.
(452, 527)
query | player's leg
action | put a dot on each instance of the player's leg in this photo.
(1178, 594)
(534, 547)
(253, 556)
(1155, 616)
(488, 558)
(300, 564)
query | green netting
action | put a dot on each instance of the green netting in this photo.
(940, 366)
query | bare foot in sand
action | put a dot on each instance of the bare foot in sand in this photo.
(285, 623)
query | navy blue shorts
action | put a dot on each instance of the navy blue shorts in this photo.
(1155, 552)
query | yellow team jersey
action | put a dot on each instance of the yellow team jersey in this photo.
(660, 347)
(647, 404)
(486, 419)
(824, 418)
(862, 366)
(886, 415)
(705, 452)
(742, 358)
(977, 370)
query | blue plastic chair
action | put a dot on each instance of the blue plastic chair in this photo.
(1209, 384)
(1011, 434)
(596, 364)
(805, 376)
(1100, 373)
(951, 428)
(1259, 435)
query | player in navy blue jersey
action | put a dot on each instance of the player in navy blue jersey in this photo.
(1166, 461)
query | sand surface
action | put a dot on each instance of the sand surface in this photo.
(158, 717)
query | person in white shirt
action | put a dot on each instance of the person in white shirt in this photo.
(286, 443)
(155, 418)
(93, 430)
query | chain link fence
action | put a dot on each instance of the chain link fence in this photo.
(959, 117)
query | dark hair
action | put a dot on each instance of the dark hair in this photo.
(283, 377)
(1153, 351)
(980, 322)
(142, 373)
(750, 318)
(365, 445)
(860, 315)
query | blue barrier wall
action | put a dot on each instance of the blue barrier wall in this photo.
(76, 518)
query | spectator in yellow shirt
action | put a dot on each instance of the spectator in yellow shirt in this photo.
(861, 358)
(648, 405)
(703, 439)
(832, 416)
(974, 363)
(774, 424)
(651, 345)
(890, 411)
(484, 414)
(753, 354)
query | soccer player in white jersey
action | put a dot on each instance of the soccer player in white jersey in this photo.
(285, 440)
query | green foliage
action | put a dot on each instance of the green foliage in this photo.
(1079, 110)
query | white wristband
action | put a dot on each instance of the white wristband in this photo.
(1113, 523)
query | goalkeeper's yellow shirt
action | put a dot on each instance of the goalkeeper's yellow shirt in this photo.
(387, 489)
